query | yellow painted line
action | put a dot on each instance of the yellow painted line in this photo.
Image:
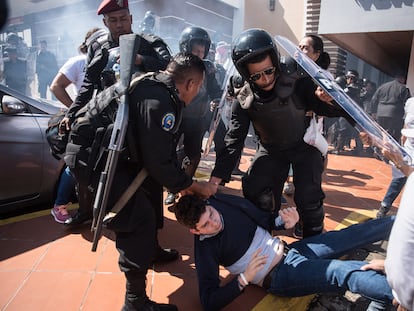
(355, 218)
(31, 215)
(272, 302)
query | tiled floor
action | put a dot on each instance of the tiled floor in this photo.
(45, 267)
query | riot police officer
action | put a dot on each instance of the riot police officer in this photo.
(345, 130)
(148, 23)
(157, 101)
(153, 54)
(197, 116)
(276, 105)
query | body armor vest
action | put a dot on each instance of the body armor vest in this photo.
(279, 119)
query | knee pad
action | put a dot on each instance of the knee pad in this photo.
(265, 201)
(312, 220)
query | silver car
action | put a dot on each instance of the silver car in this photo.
(29, 174)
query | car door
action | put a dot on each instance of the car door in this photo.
(21, 156)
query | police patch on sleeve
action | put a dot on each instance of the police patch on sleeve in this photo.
(168, 122)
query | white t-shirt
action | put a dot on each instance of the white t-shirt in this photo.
(400, 251)
(74, 70)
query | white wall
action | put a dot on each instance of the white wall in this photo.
(339, 16)
(288, 18)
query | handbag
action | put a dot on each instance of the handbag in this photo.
(57, 139)
(313, 135)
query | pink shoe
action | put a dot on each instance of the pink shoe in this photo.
(60, 213)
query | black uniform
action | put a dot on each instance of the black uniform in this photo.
(197, 117)
(154, 51)
(279, 120)
(15, 74)
(156, 56)
(155, 118)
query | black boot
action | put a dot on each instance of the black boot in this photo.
(148, 305)
(266, 201)
(136, 298)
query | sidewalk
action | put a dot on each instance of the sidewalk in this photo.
(45, 267)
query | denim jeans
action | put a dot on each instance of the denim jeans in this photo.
(394, 189)
(309, 267)
(66, 188)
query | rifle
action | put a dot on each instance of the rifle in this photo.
(128, 49)
(215, 120)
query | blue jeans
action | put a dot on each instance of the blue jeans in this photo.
(66, 188)
(309, 267)
(394, 189)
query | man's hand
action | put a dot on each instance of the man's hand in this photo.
(138, 59)
(395, 303)
(201, 189)
(323, 96)
(375, 264)
(290, 216)
(257, 262)
(365, 138)
(64, 125)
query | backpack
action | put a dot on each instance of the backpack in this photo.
(90, 135)
(89, 138)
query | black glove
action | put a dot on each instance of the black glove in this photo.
(97, 65)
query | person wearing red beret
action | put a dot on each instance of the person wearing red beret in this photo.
(108, 6)
(153, 55)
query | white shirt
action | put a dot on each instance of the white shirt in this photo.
(74, 70)
(400, 251)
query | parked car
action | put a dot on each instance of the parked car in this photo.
(29, 174)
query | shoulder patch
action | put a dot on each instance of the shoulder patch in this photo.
(168, 121)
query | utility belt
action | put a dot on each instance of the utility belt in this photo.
(267, 281)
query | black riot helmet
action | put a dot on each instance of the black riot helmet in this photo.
(341, 81)
(352, 73)
(12, 39)
(148, 23)
(191, 35)
(250, 44)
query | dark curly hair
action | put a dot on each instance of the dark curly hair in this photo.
(188, 210)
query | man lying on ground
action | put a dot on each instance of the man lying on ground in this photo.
(230, 231)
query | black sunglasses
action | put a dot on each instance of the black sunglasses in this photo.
(268, 71)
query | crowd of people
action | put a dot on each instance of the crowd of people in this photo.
(25, 68)
(172, 106)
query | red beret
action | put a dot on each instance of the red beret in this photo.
(111, 6)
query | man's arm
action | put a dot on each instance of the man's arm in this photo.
(289, 216)
(153, 54)
(213, 296)
(97, 60)
(234, 144)
(58, 88)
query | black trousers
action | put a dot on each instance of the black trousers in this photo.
(135, 227)
(392, 125)
(193, 130)
(269, 171)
